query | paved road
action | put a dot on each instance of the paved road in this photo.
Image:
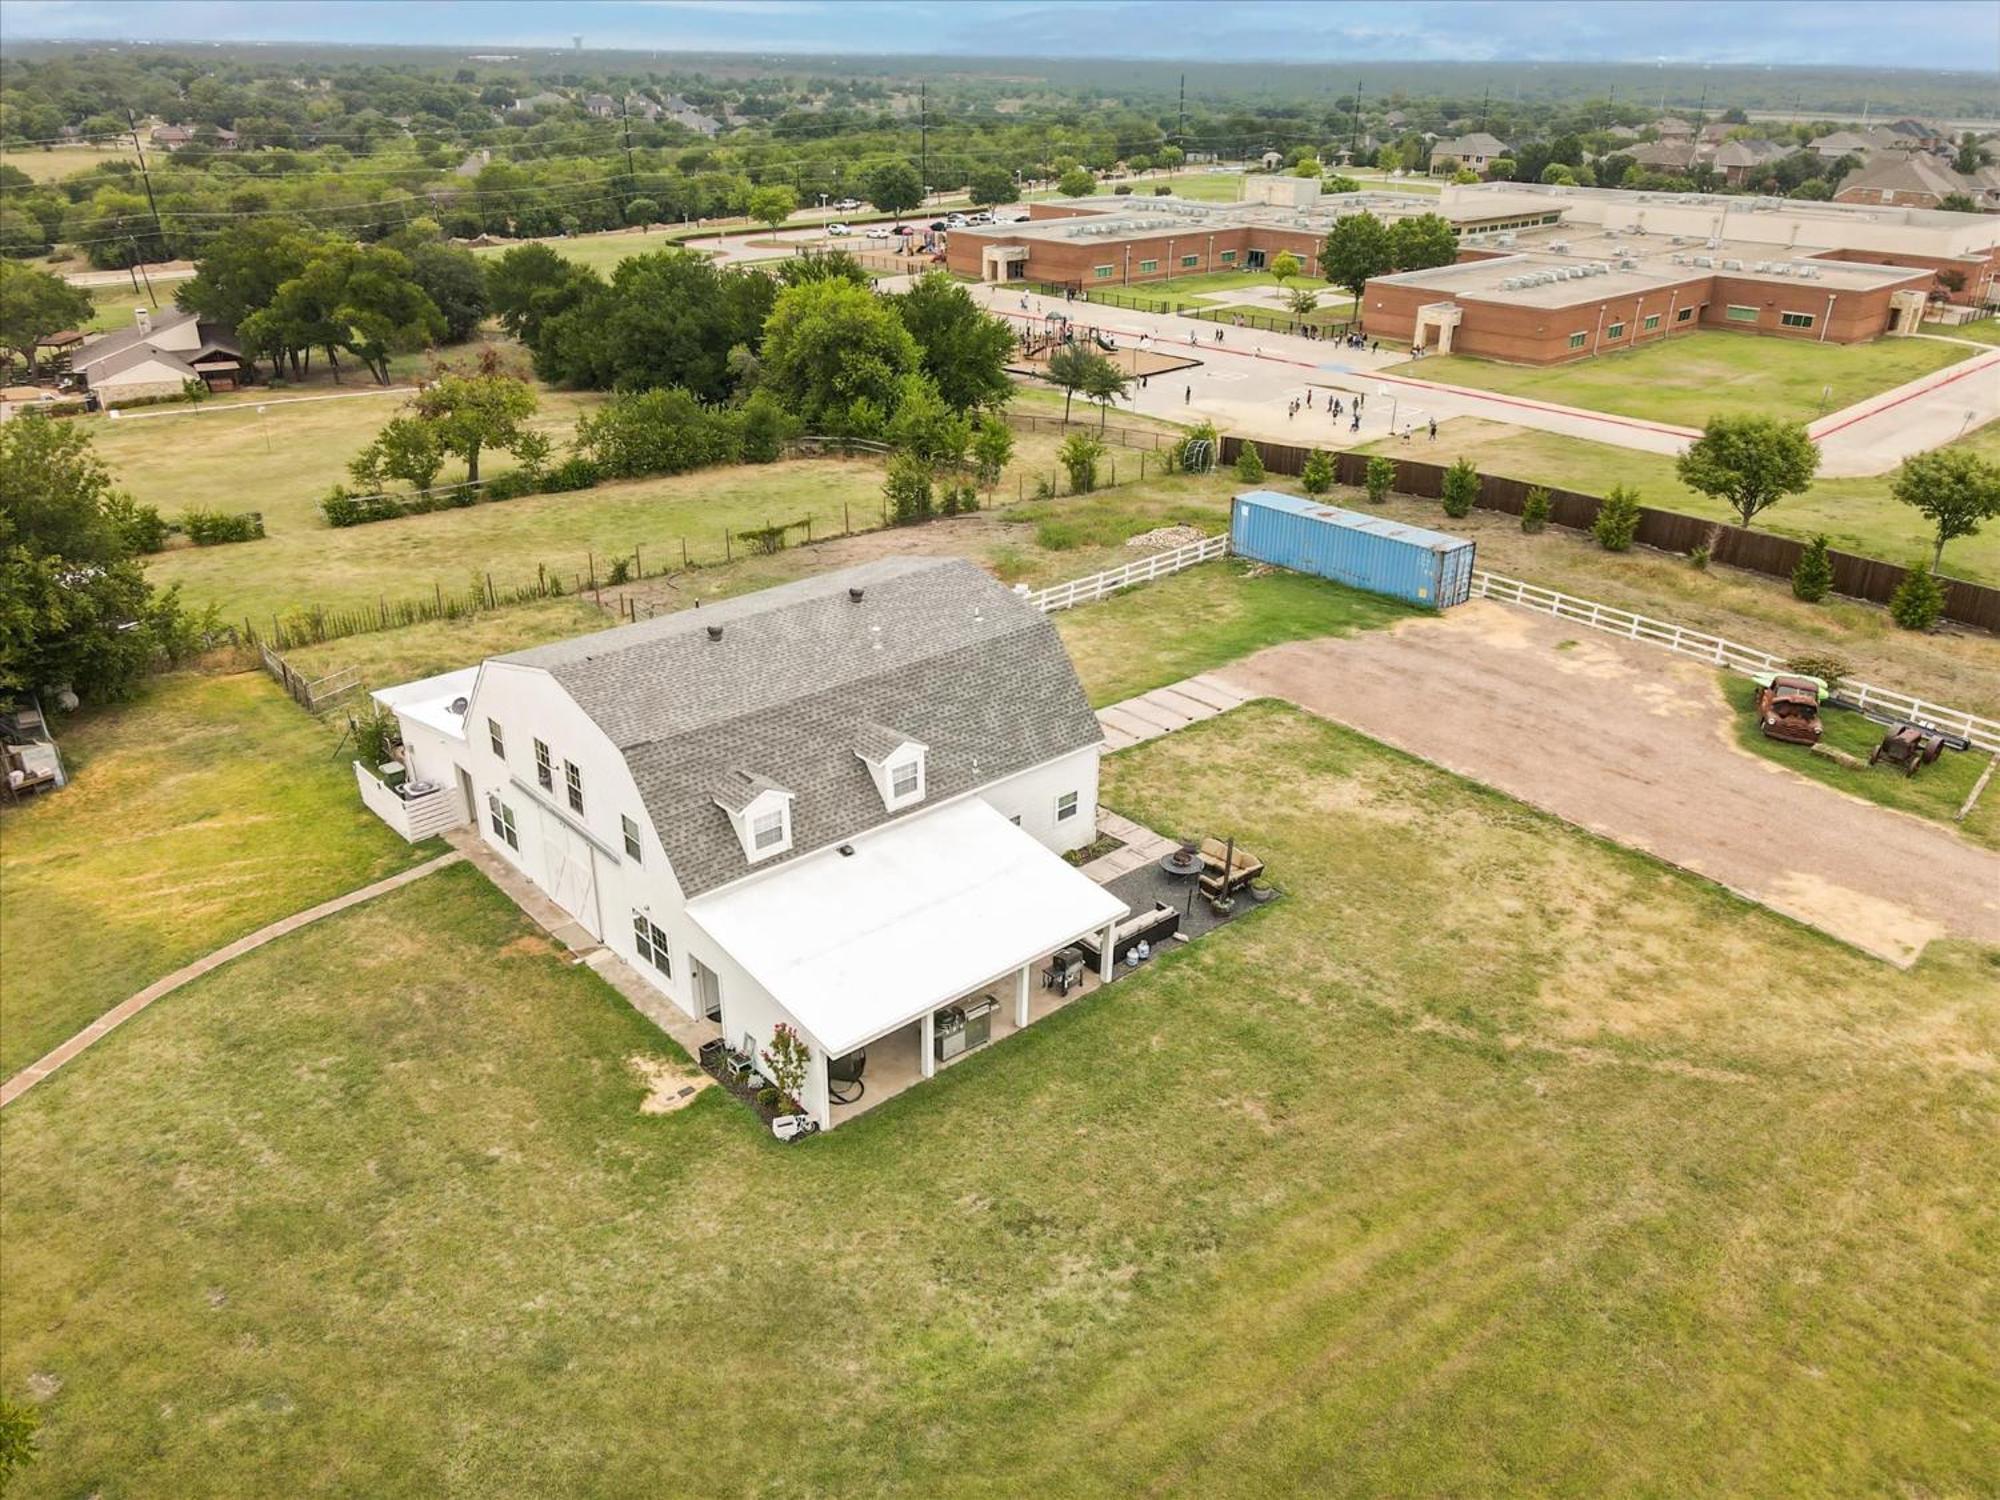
(1505, 693)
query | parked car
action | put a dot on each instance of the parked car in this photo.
(878, 232)
(1788, 708)
(848, 205)
(955, 221)
(838, 229)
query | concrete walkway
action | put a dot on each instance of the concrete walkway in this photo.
(119, 1014)
(1142, 847)
(583, 948)
(1166, 709)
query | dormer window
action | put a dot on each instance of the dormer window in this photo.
(759, 810)
(767, 830)
(895, 762)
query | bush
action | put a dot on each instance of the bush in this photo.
(140, 525)
(621, 571)
(908, 490)
(1535, 510)
(1379, 478)
(578, 473)
(957, 500)
(1250, 464)
(1828, 669)
(511, 485)
(1812, 575)
(1317, 476)
(657, 432)
(1079, 455)
(1197, 452)
(1617, 519)
(1461, 488)
(1918, 600)
(214, 528)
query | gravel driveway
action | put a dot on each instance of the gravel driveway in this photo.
(1637, 745)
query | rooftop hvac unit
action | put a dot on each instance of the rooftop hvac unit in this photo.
(1678, 259)
(1561, 247)
(1732, 265)
(1679, 239)
(1715, 244)
(1780, 269)
(1765, 265)
(1628, 264)
(1705, 262)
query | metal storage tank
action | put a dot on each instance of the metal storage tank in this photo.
(1362, 551)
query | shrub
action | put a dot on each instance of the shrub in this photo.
(908, 490)
(1250, 464)
(1317, 476)
(1535, 510)
(1828, 669)
(1918, 600)
(621, 571)
(1812, 575)
(957, 500)
(1617, 519)
(764, 426)
(1461, 488)
(1379, 478)
(511, 485)
(1698, 557)
(1079, 455)
(656, 432)
(578, 473)
(1197, 452)
(140, 525)
(213, 528)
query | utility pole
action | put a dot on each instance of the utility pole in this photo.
(1354, 140)
(1180, 132)
(631, 177)
(1483, 103)
(924, 142)
(159, 230)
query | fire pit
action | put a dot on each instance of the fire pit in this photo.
(1183, 862)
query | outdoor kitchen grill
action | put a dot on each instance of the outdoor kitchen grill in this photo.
(963, 1026)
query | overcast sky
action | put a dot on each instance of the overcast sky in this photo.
(1962, 34)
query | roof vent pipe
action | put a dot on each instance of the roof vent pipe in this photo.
(855, 595)
(715, 632)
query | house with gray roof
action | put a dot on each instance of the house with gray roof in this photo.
(1477, 151)
(837, 806)
(156, 356)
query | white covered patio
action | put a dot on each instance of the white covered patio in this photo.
(861, 945)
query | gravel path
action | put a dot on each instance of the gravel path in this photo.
(1639, 747)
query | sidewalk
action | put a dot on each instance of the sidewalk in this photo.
(119, 1014)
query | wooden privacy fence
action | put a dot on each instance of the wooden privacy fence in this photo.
(1142, 570)
(1869, 578)
(311, 694)
(1718, 651)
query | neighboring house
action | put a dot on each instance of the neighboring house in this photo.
(601, 105)
(1477, 151)
(685, 115)
(1843, 143)
(642, 108)
(1746, 161)
(157, 356)
(1666, 156)
(1622, 133)
(839, 804)
(1914, 135)
(541, 102)
(1911, 180)
(1672, 128)
(174, 137)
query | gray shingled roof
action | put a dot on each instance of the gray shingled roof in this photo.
(878, 741)
(935, 647)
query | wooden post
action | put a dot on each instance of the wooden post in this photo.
(684, 552)
(638, 567)
(727, 554)
(490, 600)
(846, 523)
(590, 560)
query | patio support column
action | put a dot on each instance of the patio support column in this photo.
(1106, 964)
(926, 1047)
(1021, 997)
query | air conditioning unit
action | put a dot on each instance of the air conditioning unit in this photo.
(1732, 265)
(1763, 265)
(1678, 259)
(1705, 262)
(1780, 269)
(1560, 247)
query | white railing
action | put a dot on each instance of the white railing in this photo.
(1144, 570)
(415, 818)
(1720, 652)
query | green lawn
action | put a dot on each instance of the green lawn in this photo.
(223, 455)
(63, 161)
(1937, 791)
(1856, 514)
(1199, 290)
(206, 809)
(1492, 1159)
(1709, 372)
(1162, 632)
(1985, 331)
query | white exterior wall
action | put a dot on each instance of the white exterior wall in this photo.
(151, 378)
(1031, 795)
(529, 705)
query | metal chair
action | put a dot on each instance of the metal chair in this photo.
(844, 1072)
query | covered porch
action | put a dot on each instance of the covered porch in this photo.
(890, 945)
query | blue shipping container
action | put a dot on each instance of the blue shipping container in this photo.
(1350, 547)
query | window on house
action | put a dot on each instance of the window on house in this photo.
(631, 837)
(1652, 322)
(1065, 806)
(1615, 331)
(1683, 315)
(502, 817)
(651, 944)
(544, 768)
(1577, 340)
(903, 780)
(1737, 313)
(1795, 320)
(1103, 273)
(1190, 260)
(495, 738)
(1146, 267)
(1228, 257)
(768, 831)
(573, 780)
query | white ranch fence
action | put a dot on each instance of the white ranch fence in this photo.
(1144, 570)
(1714, 649)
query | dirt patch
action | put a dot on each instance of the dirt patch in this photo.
(528, 945)
(1633, 744)
(669, 1086)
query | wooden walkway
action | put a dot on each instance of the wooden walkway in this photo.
(119, 1014)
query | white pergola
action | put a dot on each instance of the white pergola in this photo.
(854, 946)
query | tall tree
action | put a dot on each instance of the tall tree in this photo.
(455, 281)
(962, 348)
(991, 185)
(530, 283)
(837, 355)
(1422, 241)
(470, 413)
(1956, 491)
(1751, 462)
(773, 205)
(895, 188)
(1355, 250)
(240, 270)
(33, 305)
(1068, 370)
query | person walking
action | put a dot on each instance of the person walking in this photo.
(1187, 395)
(1355, 425)
(1434, 429)
(1309, 400)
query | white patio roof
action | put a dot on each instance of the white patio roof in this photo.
(923, 911)
(428, 700)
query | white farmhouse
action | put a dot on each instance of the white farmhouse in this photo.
(838, 804)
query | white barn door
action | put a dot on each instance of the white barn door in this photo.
(572, 872)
